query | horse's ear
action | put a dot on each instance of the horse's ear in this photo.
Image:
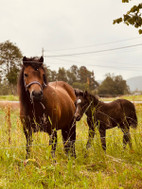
(41, 59)
(24, 58)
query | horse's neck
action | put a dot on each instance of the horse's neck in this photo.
(95, 101)
(49, 92)
(92, 106)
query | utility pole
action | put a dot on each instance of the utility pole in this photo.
(43, 52)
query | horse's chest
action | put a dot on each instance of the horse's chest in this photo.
(40, 121)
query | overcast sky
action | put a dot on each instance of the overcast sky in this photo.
(76, 30)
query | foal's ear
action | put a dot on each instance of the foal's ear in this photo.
(85, 93)
(41, 59)
(76, 92)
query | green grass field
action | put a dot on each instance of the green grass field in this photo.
(128, 97)
(115, 169)
(9, 97)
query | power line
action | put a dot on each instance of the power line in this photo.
(94, 45)
(128, 68)
(93, 52)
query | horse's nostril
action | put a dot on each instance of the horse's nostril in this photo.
(41, 93)
(37, 95)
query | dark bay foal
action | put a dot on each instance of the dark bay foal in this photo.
(119, 113)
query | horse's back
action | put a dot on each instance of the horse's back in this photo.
(65, 87)
(117, 110)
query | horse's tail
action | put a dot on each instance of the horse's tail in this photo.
(130, 113)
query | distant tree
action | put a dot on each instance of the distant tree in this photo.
(54, 76)
(51, 75)
(82, 86)
(71, 77)
(72, 74)
(93, 84)
(121, 85)
(112, 86)
(62, 75)
(83, 74)
(10, 62)
(0, 78)
(132, 17)
(86, 76)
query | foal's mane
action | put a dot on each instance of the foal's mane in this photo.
(86, 95)
(23, 97)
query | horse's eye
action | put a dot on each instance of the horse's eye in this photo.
(26, 75)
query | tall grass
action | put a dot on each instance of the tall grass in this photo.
(128, 97)
(117, 168)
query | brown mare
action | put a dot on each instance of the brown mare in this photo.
(119, 113)
(46, 106)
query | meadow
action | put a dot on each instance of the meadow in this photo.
(117, 168)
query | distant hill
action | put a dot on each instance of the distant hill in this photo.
(135, 83)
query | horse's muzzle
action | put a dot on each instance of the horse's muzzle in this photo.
(37, 96)
(77, 117)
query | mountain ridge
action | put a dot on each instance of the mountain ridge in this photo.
(135, 83)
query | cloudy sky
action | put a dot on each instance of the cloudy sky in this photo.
(74, 32)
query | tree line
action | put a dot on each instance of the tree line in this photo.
(77, 77)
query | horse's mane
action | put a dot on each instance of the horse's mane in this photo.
(23, 97)
(21, 88)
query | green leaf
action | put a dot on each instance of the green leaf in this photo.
(140, 31)
(125, 1)
(117, 21)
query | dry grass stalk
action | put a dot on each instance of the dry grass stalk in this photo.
(8, 120)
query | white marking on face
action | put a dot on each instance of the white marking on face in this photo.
(78, 101)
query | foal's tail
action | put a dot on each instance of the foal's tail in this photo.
(133, 119)
(130, 112)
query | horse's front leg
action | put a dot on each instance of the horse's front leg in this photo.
(91, 132)
(53, 142)
(103, 137)
(28, 134)
(69, 137)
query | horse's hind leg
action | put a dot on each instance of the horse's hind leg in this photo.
(69, 137)
(91, 132)
(126, 137)
(103, 137)
(53, 142)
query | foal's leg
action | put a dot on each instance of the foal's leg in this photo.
(53, 142)
(126, 137)
(69, 137)
(91, 132)
(103, 137)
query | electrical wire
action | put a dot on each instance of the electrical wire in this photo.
(94, 52)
